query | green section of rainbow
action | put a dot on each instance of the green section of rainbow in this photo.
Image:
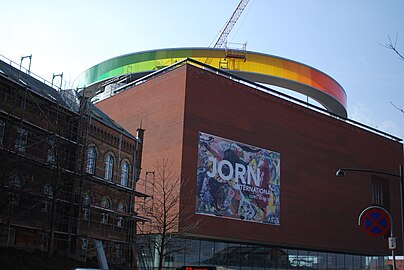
(254, 66)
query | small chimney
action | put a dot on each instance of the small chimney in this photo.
(139, 152)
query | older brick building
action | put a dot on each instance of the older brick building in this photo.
(68, 172)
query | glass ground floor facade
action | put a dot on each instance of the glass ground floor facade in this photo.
(204, 252)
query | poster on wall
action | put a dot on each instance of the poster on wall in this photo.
(237, 181)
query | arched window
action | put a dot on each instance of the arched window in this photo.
(109, 166)
(91, 158)
(124, 173)
(105, 202)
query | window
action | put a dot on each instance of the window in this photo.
(51, 158)
(109, 166)
(15, 180)
(84, 243)
(2, 125)
(85, 210)
(87, 199)
(118, 251)
(124, 173)
(380, 192)
(91, 157)
(120, 222)
(105, 202)
(377, 193)
(85, 213)
(21, 140)
(121, 207)
(48, 192)
(206, 252)
(14, 202)
(192, 251)
(104, 218)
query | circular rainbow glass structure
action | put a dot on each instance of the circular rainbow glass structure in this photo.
(258, 67)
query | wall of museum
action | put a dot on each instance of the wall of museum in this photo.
(317, 210)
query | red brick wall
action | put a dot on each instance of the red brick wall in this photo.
(158, 106)
(318, 210)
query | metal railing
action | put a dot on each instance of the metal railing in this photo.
(37, 77)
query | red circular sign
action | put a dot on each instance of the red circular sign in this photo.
(375, 222)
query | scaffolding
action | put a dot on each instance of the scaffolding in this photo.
(39, 142)
(145, 205)
(44, 134)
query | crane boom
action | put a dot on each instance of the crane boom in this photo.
(230, 24)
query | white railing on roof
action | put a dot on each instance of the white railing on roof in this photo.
(17, 66)
(70, 96)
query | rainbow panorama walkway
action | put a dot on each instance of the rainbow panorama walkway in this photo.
(258, 67)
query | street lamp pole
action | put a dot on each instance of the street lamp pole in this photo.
(400, 175)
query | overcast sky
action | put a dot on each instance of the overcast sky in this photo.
(339, 37)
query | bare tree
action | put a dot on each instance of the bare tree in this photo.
(163, 233)
(393, 46)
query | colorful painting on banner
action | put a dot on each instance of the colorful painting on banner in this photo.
(237, 181)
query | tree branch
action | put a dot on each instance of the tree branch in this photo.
(393, 46)
(398, 108)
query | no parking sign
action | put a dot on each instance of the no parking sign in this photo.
(375, 221)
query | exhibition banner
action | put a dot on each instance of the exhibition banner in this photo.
(237, 181)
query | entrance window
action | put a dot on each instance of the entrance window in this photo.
(192, 251)
(206, 254)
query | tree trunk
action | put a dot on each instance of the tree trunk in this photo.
(161, 251)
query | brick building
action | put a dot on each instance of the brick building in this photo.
(68, 172)
(260, 170)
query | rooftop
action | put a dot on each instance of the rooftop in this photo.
(69, 99)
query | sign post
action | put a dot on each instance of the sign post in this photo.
(376, 221)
